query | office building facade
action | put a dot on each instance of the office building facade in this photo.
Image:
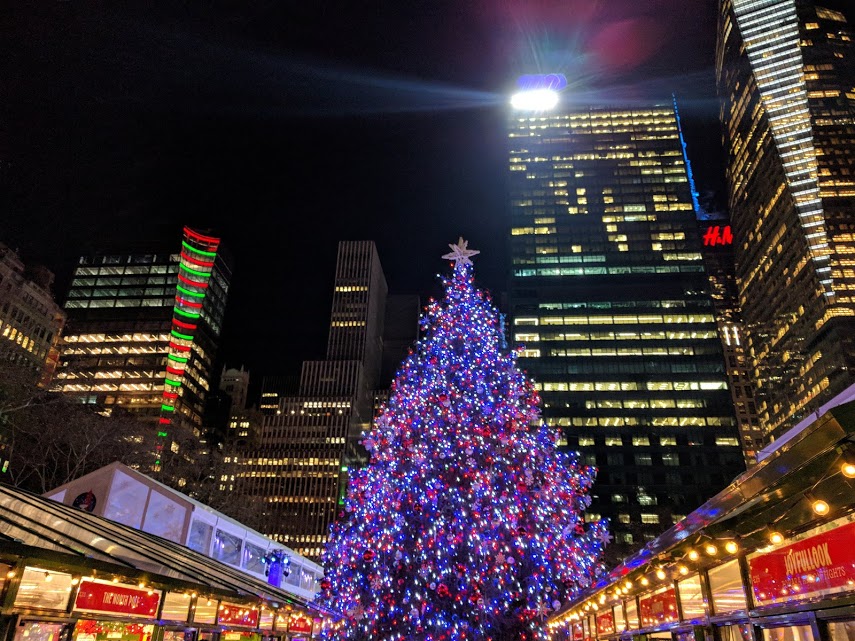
(717, 250)
(786, 72)
(298, 472)
(611, 307)
(30, 319)
(140, 339)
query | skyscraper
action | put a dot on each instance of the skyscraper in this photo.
(141, 339)
(611, 305)
(786, 72)
(717, 251)
(299, 470)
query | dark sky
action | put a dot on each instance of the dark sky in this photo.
(287, 126)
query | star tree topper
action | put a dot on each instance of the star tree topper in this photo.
(460, 254)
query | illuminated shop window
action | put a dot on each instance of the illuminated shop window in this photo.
(42, 588)
(691, 597)
(631, 610)
(176, 606)
(728, 594)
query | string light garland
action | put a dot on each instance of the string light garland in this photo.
(467, 524)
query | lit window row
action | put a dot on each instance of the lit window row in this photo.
(602, 271)
(642, 403)
(609, 351)
(626, 319)
(115, 338)
(593, 336)
(532, 231)
(629, 386)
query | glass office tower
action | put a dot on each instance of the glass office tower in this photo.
(786, 76)
(611, 307)
(120, 334)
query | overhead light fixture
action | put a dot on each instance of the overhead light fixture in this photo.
(776, 538)
(819, 506)
(711, 549)
(660, 574)
(627, 585)
(683, 570)
(847, 467)
(693, 555)
(732, 547)
(644, 581)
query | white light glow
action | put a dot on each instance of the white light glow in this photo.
(535, 100)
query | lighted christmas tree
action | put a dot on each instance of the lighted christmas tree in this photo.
(468, 522)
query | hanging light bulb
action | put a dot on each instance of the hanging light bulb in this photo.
(660, 574)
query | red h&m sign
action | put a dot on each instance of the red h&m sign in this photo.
(718, 235)
(823, 563)
(606, 623)
(231, 614)
(113, 598)
(658, 608)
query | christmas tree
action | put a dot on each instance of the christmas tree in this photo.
(468, 522)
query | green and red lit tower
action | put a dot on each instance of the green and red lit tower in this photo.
(195, 267)
(143, 330)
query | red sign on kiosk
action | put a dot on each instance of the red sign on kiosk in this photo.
(113, 598)
(605, 623)
(233, 614)
(300, 625)
(658, 608)
(821, 563)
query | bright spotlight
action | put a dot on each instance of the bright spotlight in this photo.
(535, 100)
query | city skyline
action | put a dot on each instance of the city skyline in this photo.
(125, 128)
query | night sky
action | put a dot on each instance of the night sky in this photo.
(287, 126)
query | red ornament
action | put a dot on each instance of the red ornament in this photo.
(368, 556)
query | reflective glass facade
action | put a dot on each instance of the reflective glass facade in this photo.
(611, 306)
(120, 310)
(786, 73)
